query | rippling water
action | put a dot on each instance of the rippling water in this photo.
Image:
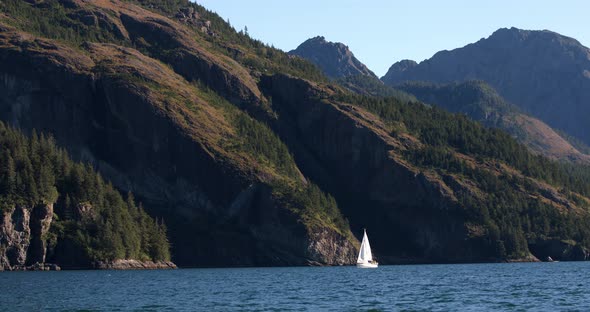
(472, 287)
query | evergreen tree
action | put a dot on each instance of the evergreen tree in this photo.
(90, 213)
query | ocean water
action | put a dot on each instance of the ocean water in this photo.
(562, 286)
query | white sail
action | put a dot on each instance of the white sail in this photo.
(365, 255)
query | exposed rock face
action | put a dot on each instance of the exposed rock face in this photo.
(40, 222)
(15, 237)
(542, 72)
(195, 63)
(331, 246)
(22, 236)
(333, 58)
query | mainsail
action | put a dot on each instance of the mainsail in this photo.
(365, 255)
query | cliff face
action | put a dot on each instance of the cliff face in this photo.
(22, 236)
(410, 215)
(168, 148)
(542, 72)
(333, 58)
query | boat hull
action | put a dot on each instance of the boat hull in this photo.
(367, 265)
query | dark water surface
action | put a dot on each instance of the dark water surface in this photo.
(559, 286)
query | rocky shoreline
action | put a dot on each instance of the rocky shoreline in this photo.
(35, 267)
(123, 264)
(99, 265)
(528, 258)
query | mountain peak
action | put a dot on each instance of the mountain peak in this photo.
(317, 39)
(398, 68)
(549, 37)
(334, 58)
(540, 71)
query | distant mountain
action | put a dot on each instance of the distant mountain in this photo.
(482, 103)
(334, 58)
(542, 72)
(476, 99)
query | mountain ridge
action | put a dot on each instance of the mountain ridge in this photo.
(529, 130)
(479, 101)
(334, 58)
(542, 72)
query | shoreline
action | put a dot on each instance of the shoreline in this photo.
(130, 264)
(121, 264)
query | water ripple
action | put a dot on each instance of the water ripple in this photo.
(472, 287)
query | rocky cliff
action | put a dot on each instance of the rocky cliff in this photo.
(22, 236)
(171, 148)
(542, 72)
(333, 58)
(55, 211)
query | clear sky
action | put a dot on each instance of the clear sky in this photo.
(381, 32)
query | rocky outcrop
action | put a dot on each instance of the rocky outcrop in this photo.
(334, 248)
(124, 264)
(36, 267)
(187, 56)
(333, 58)
(15, 237)
(97, 18)
(22, 236)
(40, 222)
(542, 72)
(396, 72)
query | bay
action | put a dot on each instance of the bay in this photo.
(455, 287)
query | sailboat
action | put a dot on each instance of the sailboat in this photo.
(365, 259)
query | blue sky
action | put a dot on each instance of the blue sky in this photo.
(381, 32)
